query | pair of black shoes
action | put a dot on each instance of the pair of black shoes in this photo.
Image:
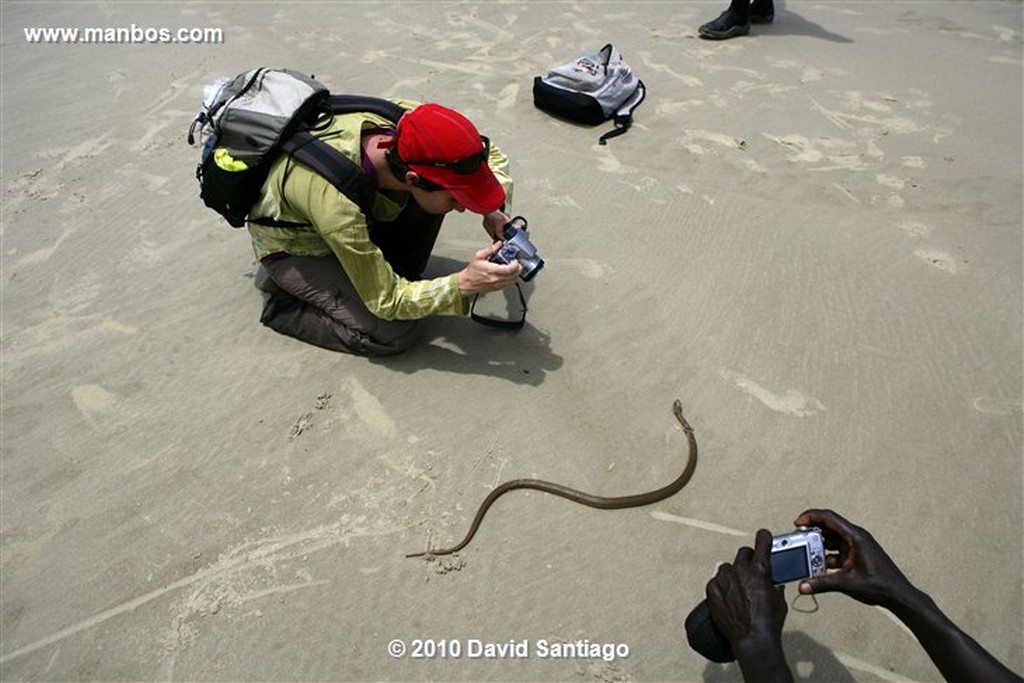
(730, 24)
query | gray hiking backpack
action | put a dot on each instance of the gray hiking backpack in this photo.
(597, 86)
(247, 122)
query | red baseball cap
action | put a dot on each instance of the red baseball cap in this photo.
(445, 147)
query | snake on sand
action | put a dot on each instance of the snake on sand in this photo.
(601, 502)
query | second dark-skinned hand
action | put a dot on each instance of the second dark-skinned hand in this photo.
(865, 571)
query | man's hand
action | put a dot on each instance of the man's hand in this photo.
(493, 223)
(483, 276)
(865, 571)
(750, 611)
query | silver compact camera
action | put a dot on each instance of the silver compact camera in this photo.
(798, 555)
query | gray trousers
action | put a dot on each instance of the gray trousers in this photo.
(317, 302)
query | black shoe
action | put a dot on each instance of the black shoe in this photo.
(727, 25)
(262, 281)
(279, 306)
(762, 12)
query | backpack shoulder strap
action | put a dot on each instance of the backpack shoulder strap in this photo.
(623, 118)
(340, 171)
(343, 104)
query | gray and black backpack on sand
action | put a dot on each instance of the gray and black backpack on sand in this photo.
(595, 87)
(247, 122)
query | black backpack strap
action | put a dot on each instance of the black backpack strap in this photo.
(622, 124)
(272, 223)
(345, 104)
(623, 118)
(340, 171)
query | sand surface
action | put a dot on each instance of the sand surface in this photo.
(812, 236)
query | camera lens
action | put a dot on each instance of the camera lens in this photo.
(705, 637)
(530, 268)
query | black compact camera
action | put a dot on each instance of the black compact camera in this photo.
(518, 247)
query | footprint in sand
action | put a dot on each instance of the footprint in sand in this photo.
(352, 407)
(564, 200)
(692, 138)
(914, 229)
(791, 402)
(92, 399)
(588, 268)
(890, 181)
(991, 405)
(939, 259)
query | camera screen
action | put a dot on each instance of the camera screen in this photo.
(790, 564)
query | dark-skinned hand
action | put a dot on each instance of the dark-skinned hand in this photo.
(864, 571)
(744, 601)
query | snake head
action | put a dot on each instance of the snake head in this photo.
(677, 410)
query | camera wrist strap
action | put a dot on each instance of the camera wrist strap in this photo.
(500, 324)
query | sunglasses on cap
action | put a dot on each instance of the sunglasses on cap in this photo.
(467, 166)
